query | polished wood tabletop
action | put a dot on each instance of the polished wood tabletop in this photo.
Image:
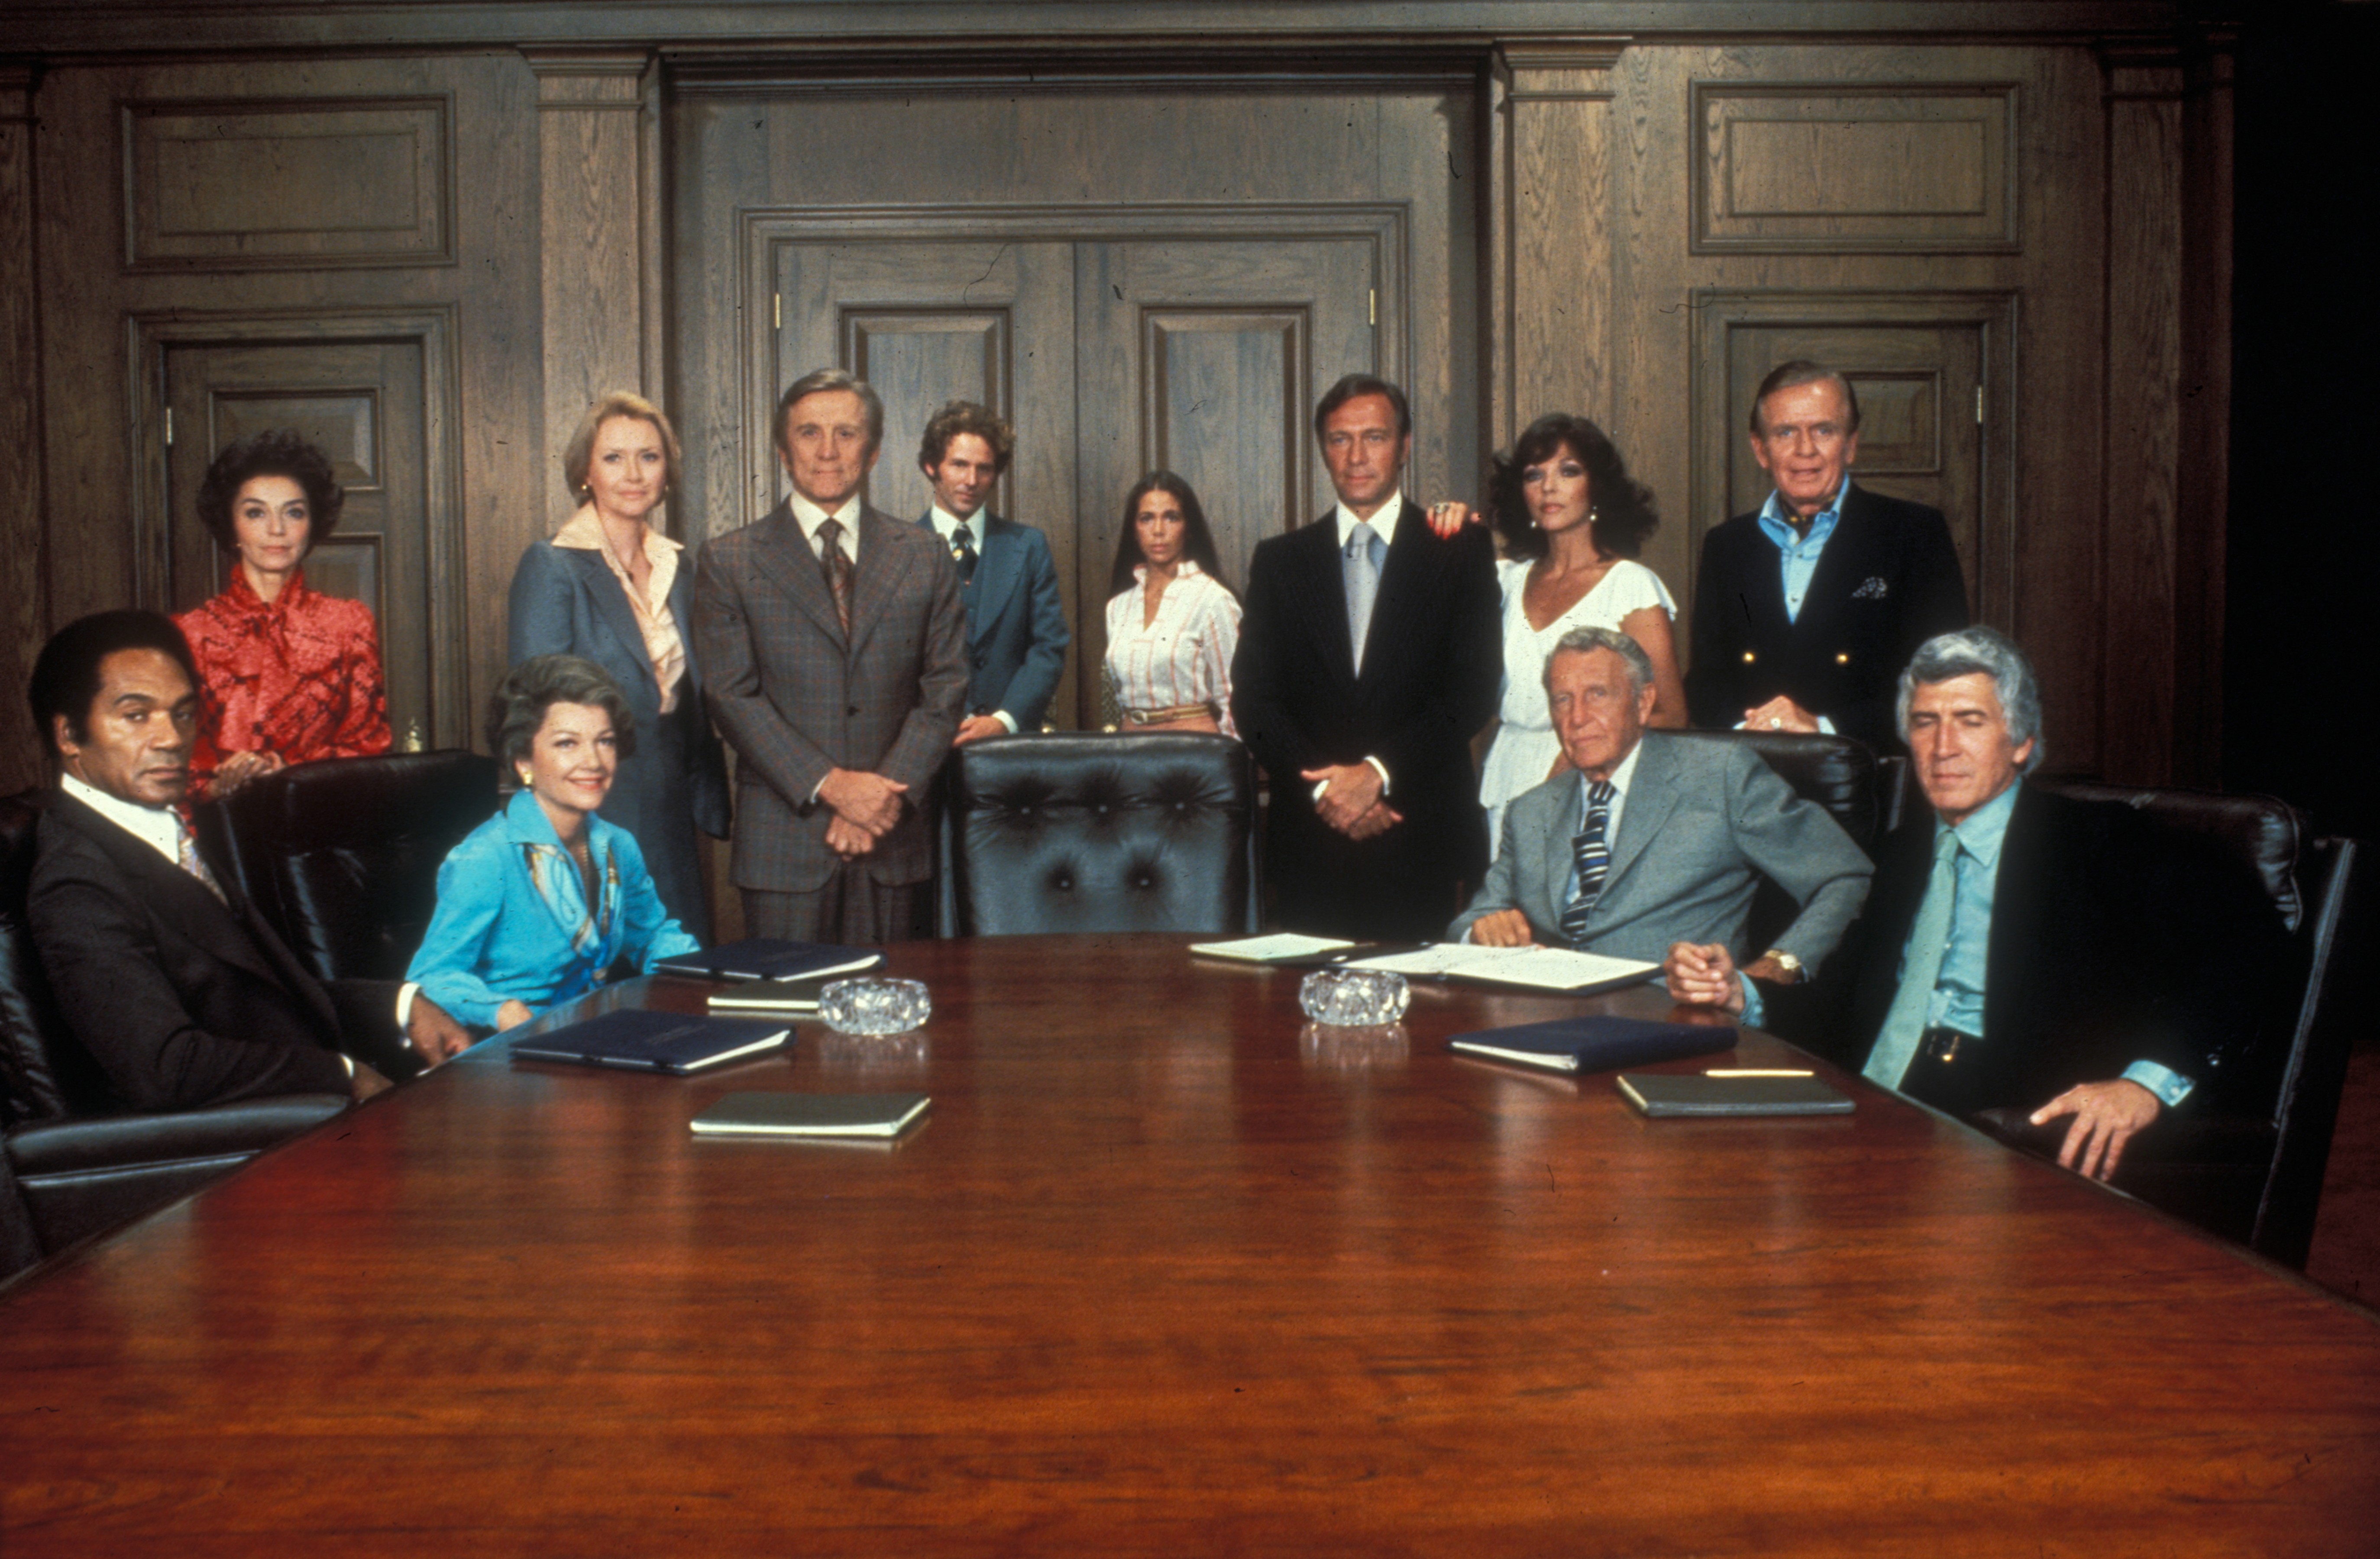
(1166, 1272)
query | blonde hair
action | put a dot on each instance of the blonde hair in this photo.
(579, 453)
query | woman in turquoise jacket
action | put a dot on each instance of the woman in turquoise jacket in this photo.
(539, 901)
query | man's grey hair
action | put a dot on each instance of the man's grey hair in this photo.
(818, 381)
(1581, 640)
(1995, 654)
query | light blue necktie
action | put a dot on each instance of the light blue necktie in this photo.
(1360, 568)
(1921, 965)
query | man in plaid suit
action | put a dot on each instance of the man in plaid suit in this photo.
(834, 652)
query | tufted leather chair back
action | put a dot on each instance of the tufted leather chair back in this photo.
(1086, 831)
(44, 1074)
(342, 856)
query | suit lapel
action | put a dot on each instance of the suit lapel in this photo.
(1569, 808)
(996, 572)
(1842, 567)
(611, 602)
(1326, 599)
(1652, 797)
(1402, 576)
(783, 553)
(182, 900)
(881, 568)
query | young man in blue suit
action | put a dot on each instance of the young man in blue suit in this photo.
(1008, 586)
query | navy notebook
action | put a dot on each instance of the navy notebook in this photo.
(764, 959)
(1595, 1044)
(655, 1042)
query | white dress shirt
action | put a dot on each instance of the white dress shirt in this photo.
(809, 517)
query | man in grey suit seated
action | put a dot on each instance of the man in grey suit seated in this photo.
(1653, 831)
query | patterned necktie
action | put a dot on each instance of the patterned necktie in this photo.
(1360, 570)
(1590, 852)
(838, 571)
(1921, 966)
(963, 553)
(187, 856)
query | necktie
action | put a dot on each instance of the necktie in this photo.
(838, 571)
(1360, 568)
(963, 553)
(1590, 852)
(1904, 1023)
(187, 857)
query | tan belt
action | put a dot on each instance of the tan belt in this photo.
(1166, 716)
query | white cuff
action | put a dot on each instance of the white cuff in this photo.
(1382, 770)
(1006, 719)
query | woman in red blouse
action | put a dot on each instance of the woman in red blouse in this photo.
(286, 676)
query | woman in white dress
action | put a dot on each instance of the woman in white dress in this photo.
(1573, 523)
(1173, 623)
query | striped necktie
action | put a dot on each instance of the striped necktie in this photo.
(187, 856)
(1590, 852)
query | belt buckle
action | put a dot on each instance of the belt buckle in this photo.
(1943, 1045)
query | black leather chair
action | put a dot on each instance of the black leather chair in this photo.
(1079, 831)
(81, 1164)
(342, 857)
(1838, 773)
(2247, 1164)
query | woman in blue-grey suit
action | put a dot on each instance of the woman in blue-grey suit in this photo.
(538, 903)
(609, 588)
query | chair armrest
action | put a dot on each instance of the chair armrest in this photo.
(122, 1141)
(2225, 1141)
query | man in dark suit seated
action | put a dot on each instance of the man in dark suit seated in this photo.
(167, 974)
(1369, 656)
(2019, 947)
(1652, 837)
(1016, 634)
(1807, 608)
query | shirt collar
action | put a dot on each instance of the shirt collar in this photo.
(1822, 525)
(809, 517)
(158, 827)
(1186, 569)
(1621, 776)
(1384, 521)
(585, 531)
(1981, 832)
(947, 524)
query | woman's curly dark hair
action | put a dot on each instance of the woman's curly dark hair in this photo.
(516, 709)
(275, 452)
(1623, 507)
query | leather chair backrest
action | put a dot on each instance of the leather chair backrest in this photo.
(1087, 832)
(342, 856)
(44, 1071)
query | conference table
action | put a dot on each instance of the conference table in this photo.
(1166, 1271)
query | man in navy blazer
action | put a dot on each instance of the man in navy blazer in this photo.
(1375, 820)
(1016, 619)
(1806, 609)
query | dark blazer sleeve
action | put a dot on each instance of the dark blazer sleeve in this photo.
(1030, 691)
(707, 781)
(109, 970)
(1461, 692)
(1714, 697)
(1262, 701)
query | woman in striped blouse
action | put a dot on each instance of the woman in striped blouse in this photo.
(1173, 623)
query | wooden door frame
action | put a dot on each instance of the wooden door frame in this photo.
(432, 330)
(762, 230)
(1993, 313)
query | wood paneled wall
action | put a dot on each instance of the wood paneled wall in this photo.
(1651, 206)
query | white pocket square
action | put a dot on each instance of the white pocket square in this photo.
(1872, 588)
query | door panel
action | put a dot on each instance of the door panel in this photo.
(361, 402)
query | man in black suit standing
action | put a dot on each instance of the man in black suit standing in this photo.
(2021, 946)
(167, 974)
(1369, 656)
(1806, 609)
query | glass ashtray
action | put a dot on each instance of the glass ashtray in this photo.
(1354, 998)
(873, 1004)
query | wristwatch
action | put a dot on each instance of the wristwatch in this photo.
(1786, 965)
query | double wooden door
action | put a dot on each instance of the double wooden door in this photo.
(1173, 294)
